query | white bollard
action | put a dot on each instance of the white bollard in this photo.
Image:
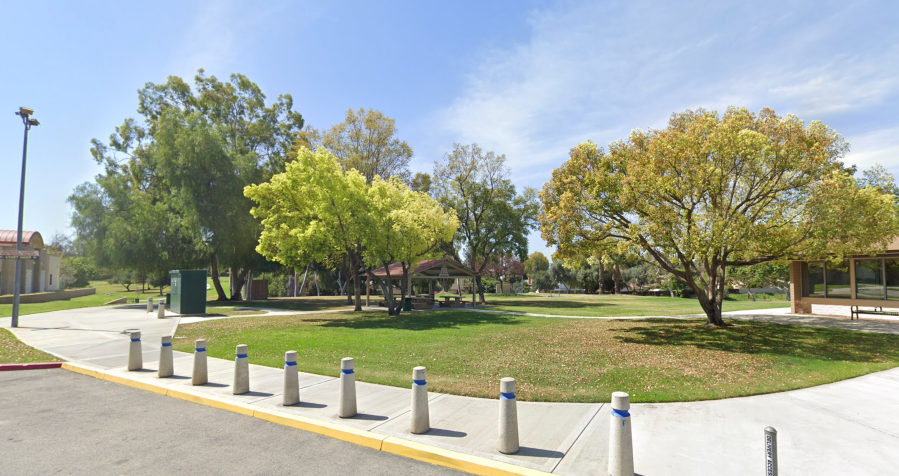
(508, 417)
(135, 358)
(621, 446)
(241, 371)
(347, 397)
(201, 371)
(160, 312)
(421, 421)
(291, 379)
(149, 305)
(166, 358)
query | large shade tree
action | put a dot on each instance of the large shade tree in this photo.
(407, 226)
(317, 211)
(313, 212)
(494, 219)
(366, 141)
(178, 175)
(714, 191)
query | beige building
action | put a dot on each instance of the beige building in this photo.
(866, 281)
(39, 275)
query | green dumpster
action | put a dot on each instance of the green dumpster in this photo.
(188, 291)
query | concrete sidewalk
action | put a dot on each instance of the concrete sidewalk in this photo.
(848, 427)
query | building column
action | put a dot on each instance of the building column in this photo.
(797, 305)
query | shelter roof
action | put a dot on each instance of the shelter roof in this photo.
(432, 269)
(29, 238)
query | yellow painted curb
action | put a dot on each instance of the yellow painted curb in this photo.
(398, 446)
(454, 459)
(339, 432)
(80, 370)
(132, 383)
(247, 410)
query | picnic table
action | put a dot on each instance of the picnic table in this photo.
(457, 301)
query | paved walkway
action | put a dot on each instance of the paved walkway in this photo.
(849, 427)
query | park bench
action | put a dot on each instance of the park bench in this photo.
(877, 311)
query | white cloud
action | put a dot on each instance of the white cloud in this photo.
(222, 33)
(877, 147)
(595, 72)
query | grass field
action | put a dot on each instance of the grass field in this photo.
(13, 351)
(611, 305)
(571, 360)
(105, 293)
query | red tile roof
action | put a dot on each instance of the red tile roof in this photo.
(455, 269)
(8, 237)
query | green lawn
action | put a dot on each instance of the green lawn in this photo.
(612, 305)
(306, 303)
(13, 351)
(571, 360)
(105, 293)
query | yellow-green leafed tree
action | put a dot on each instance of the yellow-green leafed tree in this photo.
(408, 226)
(314, 211)
(712, 191)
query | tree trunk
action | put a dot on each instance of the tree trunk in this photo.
(477, 282)
(216, 281)
(616, 276)
(404, 289)
(239, 276)
(352, 275)
(749, 290)
(303, 286)
(711, 298)
(602, 272)
(358, 292)
(387, 291)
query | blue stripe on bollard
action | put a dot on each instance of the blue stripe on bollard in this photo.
(135, 340)
(290, 364)
(419, 382)
(167, 344)
(506, 396)
(202, 349)
(346, 371)
(241, 356)
(620, 413)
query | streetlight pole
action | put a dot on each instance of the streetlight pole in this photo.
(25, 114)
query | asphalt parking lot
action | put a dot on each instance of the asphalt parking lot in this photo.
(58, 422)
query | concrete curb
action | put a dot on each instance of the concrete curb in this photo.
(391, 444)
(36, 366)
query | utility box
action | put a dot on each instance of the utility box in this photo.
(188, 291)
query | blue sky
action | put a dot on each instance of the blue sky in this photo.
(528, 79)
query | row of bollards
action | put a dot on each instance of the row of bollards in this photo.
(621, 457)
(160, 309)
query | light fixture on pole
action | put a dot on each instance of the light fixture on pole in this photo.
(25, 113)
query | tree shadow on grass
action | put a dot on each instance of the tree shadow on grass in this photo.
(769, 339)
(549, 304)
(419, 321)
(292, 304)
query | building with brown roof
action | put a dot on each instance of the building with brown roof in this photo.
(39, 274)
